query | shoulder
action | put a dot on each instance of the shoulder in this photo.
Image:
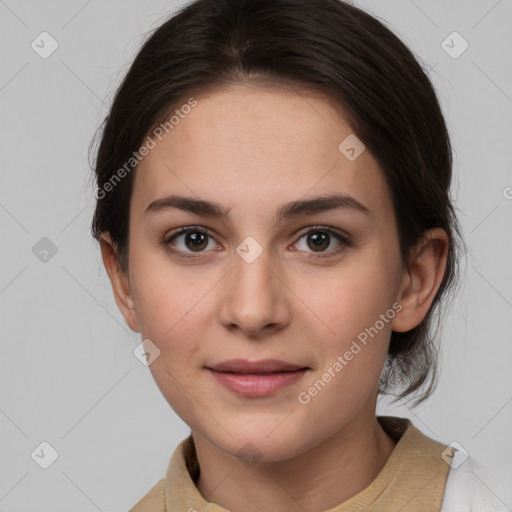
(153, 501)
(471, 488)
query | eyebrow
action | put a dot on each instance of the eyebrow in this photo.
(286, 211)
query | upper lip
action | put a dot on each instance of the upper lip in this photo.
(262, 366)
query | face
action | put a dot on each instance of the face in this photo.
(282, 275)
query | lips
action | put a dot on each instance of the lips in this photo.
(263, 366)
(256, 378)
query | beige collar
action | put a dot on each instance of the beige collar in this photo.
(413, 478)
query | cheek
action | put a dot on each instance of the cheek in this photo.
(351, 298)
(173, 318)
(176, 314)
(165, 295)
(172, 314)
(356, 309)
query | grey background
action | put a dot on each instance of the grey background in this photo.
(67, 372)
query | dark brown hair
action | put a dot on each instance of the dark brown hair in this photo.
(327, 46)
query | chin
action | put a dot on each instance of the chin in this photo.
(254, 442)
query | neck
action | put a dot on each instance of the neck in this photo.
(319, 479)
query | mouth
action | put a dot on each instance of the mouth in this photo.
(258, 378)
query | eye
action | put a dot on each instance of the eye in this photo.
(193, 241)
(319, 239)
(190, 240)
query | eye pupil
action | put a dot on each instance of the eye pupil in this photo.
(198, 241)
(319, 240)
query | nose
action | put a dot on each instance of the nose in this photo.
(256, 300)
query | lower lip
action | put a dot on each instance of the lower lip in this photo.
(254, 385)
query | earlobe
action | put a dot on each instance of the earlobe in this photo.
(422, 279)
(120, 282)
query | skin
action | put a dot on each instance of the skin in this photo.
(253, 149)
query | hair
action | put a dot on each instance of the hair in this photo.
(326, 46)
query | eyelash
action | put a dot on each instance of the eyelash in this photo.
(346, 242)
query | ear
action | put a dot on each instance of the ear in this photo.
(120, 282)
(421, 279)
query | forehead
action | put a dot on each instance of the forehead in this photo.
(253, 148)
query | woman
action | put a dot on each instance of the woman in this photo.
(274, 215)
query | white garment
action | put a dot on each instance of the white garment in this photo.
(470, 488)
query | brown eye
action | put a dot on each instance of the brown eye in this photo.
(190, 240)
(318, 241)
(196, 241)
(324, 242)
